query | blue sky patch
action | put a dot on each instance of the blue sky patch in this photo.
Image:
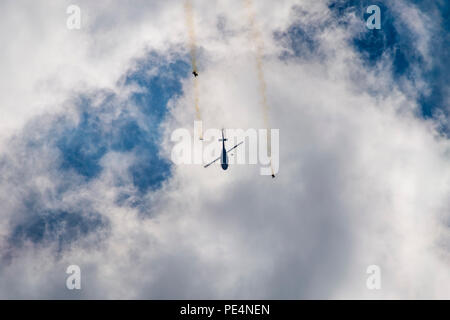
(160, 87)
(108, 125)
(397, 41)
(100, 130)
(57, 226)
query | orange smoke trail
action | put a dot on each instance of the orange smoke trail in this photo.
(193, 50)
(259, 44)
(191, 32)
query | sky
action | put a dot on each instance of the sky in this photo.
(87, 179)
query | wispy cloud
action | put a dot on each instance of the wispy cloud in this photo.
(85, 167)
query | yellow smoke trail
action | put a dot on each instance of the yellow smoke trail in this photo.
(191, 31)
(259, 44)
(193, 49)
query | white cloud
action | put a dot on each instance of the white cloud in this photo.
(362, 181)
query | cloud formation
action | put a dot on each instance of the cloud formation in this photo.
(85, 167)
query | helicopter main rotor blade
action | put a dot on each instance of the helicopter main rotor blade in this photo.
(206, 166)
